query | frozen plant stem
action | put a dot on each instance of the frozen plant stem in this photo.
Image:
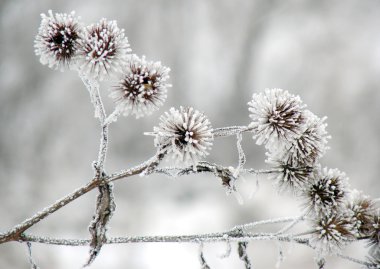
(100, 113)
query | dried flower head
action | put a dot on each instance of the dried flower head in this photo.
(331, 233)
(360, 209)
(276, 117)
(57, 41)
(310, 145)
(287, 175)
(186, 134)
(326, 192)
(104, 49)
(142, 87)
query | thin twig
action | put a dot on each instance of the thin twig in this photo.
(229, 131)
(367, 264)
(263, 222)
(293, 223)
(93, 88)
(196, 238)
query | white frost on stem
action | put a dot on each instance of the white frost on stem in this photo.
(100, 113)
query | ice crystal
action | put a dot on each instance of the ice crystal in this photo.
(104, 49)
(142, 87)
(310, 145)
(186, 134)
(277, 117)
(326, 192)
(57, 41)
(331, 233)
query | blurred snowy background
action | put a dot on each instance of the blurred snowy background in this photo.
(220, 52)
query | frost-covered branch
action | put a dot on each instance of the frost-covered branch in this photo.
(196, 238)
(294, 138)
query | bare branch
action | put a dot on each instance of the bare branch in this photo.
(229, 131)
(196, 238)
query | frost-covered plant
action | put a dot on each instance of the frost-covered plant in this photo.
(277, 117)
(104, 49)
(361, 210)
(332, 233)
(57, 41)
(295, 140)
(310, 144)
(326, 192)
(186, 134)
(287, 175)
(141, 88)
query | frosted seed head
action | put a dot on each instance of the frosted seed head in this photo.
(141, 88)
(287, 175)
(361, 210)
(186, 134)
(325, 192)
(310, 144)
(58, 40)
(104, 50)
(331, 233)
(277, 117)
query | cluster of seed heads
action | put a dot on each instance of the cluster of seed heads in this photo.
(295, 138)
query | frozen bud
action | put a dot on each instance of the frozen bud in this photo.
(310, 144)
(186, 134)
(277, 117)
(104, 50)
(57, 41)
(360, 209)
(331, 233)
(326, 192)
(289, 176)
(142, 87)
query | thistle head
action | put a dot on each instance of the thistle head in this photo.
(277, 117)
(310, 144)
(57, 41)
(186, 134)
(326, 192)
(288, 175)
(361, 210)
(104, 50)
(331, 233)
(141, 88)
